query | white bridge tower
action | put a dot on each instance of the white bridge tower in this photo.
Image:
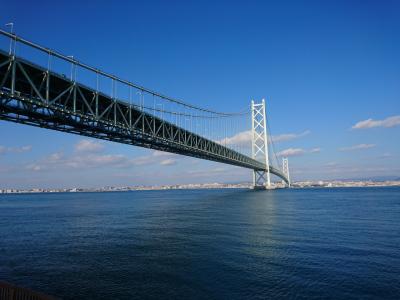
(285, 167)
(261, 179)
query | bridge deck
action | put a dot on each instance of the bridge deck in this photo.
(32, 95)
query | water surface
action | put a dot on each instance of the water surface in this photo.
(204, 244)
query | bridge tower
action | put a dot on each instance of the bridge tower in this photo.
(285, 167)
(261, 179)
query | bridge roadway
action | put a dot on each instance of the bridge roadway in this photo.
(32, 95)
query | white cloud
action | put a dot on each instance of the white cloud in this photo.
(331, 164)
(289, 136)
(34, 167)
(58, 161)
(88, 146)
(157, 153)
(26, 148)
(85, 157)
(22, 149)
(55, 156)
(154, 157)
(346, 170)
(357, 147)
(385, 155)
(370, 123)
(244, 138)
(297, 152)
(291, 152)
(106, 159)
(168, 162)
(241, 138)
(315, 150)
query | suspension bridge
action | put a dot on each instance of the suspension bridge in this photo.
(44, 88)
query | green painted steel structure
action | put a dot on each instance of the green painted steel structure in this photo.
(33, 95)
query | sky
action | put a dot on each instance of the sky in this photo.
(329, 71)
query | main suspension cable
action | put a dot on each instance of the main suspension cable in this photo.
(76, 63)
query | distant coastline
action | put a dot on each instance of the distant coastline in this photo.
(247, 185)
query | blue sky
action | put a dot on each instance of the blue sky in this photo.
(323, 67)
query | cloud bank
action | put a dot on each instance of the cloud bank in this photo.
(289, 136)
(297, 152)
(88, 146)
(370, 123)
(89, 154)
(357, 147)
(244, 138)
(5, 150)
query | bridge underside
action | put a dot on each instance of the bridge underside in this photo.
(30, 94)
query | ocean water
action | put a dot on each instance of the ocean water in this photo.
(204, 244)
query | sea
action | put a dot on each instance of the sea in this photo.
(321, 243)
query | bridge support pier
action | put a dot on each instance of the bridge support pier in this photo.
(261, 178)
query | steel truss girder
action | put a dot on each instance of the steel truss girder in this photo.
(34, 96)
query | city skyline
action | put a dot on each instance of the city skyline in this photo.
(333, 104)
